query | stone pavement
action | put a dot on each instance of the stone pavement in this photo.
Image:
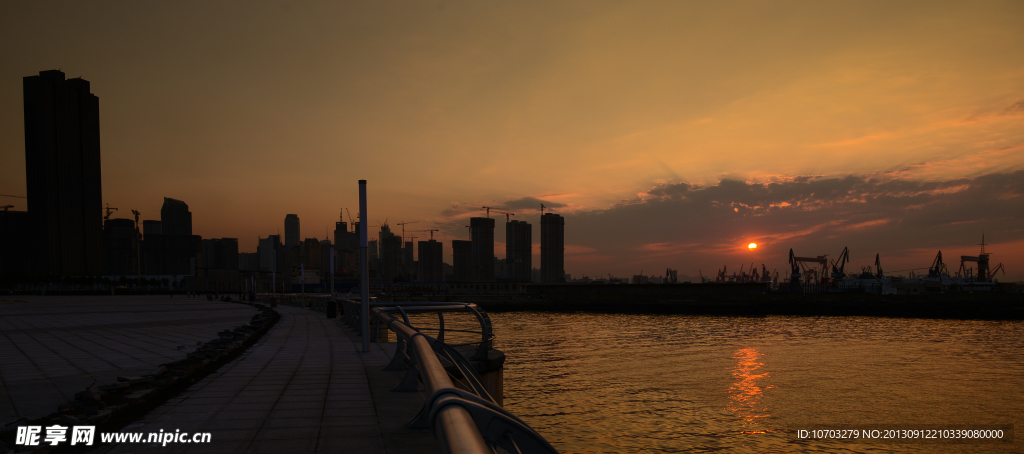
(54, 346)
(304, 387)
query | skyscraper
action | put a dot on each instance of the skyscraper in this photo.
(62, 173)
(175, 218)
(291, 231)
(518, 250)
(462, 260)
(430, 263)
(552, 248)
(390, 254)
(483, 248)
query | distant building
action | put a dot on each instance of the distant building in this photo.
(220, 254)
(120, 248)
(267, 251)
(62, 173)
(173, 251)
(390, 255)
(462, 260)
(408, 260)
(249, 261)
(483, 248)
(518, 250)
(346, 248)
(291, 230)
(312, 256)
(175, 218)
(152, 228)
(552, 248)
(430, 263)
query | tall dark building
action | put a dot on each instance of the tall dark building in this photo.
(152, 228)
(483, 248)
(62, 170)
(346, 248)
(390, 254)
(552, 248)
(15, 245)
(120, 248)
(518, 250)
(175, 218)
(431, 259)
(220, 254)
(291, 231)
(462, 260)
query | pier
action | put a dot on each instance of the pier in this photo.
(303, 386)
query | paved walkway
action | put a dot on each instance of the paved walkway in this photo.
(303, 387)
(52, 347)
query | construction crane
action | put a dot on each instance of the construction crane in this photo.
(497, 210)
(542, 207)
(403, 226)
(426, 230)
(109, 211)
(878, 267)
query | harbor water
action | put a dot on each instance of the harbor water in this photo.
(674, 383)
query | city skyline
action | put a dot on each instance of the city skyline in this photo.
(667, 135)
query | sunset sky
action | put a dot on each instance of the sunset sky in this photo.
(669, 134)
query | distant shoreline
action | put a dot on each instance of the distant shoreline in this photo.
(961, 306)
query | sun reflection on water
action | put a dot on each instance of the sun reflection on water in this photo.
(747, 390)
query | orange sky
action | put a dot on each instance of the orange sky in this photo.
(250, 111)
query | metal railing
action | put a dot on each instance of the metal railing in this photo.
(466, 419)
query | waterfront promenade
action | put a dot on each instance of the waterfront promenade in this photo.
(52, 347)
(303, 387)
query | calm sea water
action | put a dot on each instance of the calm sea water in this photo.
(633, 383)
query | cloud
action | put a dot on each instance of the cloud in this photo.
(693, 228)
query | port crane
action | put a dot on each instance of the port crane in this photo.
(838, 273)
(982, 261)
(938, 269)
(797, 263)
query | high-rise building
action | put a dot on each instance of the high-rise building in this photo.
(220, 254)
(120, 248)
(62, 173)
(175, 219)
(291, 230)
(408, 261)
(462, 260)
(152, 228)
(518, 250)
(312, 256)
(346, 248)
(390, 254)
(267, 251)
(552, 248)
(483, 248)
(431, 258)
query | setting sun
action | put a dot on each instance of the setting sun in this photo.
(752, 245)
